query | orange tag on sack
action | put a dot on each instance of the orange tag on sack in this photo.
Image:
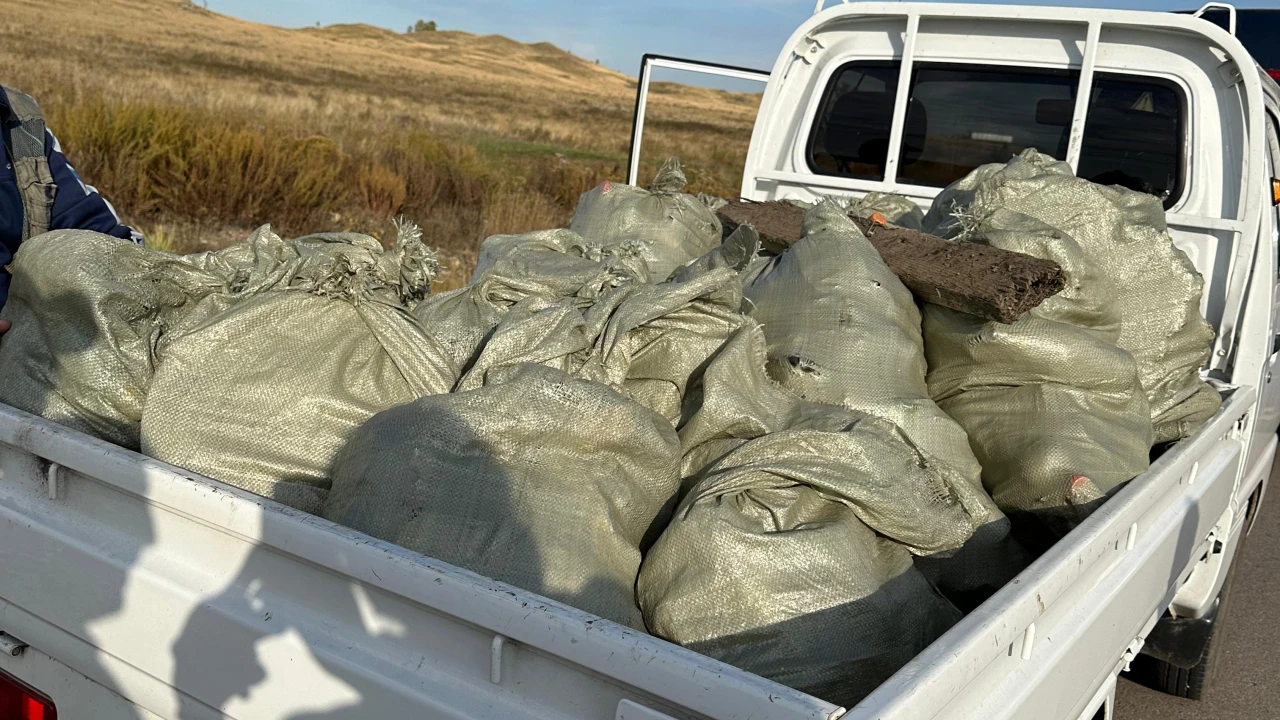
(1078, 482)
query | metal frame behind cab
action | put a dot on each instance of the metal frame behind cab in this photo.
(1231, 13)
(647, 64)
(1245, 226)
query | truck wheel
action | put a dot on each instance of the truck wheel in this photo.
(1176, 679)
(1190, 683)
(1193, 682)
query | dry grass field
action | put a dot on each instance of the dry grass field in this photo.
(199, 126)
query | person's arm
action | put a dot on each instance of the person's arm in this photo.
(78, 206)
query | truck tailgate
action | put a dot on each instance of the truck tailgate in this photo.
(196, 600)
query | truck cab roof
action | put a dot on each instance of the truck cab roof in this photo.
(1257, 28)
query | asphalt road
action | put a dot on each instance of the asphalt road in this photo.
(1247, 683)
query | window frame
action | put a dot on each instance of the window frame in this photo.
(828, 97)
(1178, 195)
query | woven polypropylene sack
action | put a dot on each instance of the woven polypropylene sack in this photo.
(88, 312)
(791, 555)
(535, 268)
(264, 395)
(844, 330)
(897, 209)
(671, 229)
(664, 334)
(1052, 404)
(537, 479)
(645, 340)
(1123, 233)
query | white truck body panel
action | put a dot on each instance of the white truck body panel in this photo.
(145, 591)
(185, 595)
(189, 596)
(1047, 643)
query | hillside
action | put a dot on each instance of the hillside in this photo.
(456, 83)
(162, 103)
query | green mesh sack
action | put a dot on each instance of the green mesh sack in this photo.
(1123, 233)
(537, 479)
(897, 209)
(536, 268)
(842, 329)
(646, 340)
(1052, 404)
(669, 228)
(263, 395)
(790, 555)
(91, 313)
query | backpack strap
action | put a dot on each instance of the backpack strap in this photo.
(24, 136)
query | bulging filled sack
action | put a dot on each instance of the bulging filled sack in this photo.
(842, 329)
(645, 340)
(669, 228)
(549, 483)
(657, 341)
(1052, 404)
(90, 313)
(535, 268)
(263, 395)
(790, 555)
(1123, 234)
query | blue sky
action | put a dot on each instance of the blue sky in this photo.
(616, 32)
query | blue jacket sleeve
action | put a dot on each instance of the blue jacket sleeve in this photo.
(78, 206)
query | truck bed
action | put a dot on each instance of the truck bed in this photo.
(144, 578)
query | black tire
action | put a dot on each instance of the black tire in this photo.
(1194, 682)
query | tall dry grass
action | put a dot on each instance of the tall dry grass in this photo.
(204, 126)
(191, 175)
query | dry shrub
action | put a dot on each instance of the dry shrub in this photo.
(382, 190)
(154, 160)
(564, 181)
(203, 178)
(240, 175)
(452, 228)
(439, 175)
(515, 213)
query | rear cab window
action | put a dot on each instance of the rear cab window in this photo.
(960, 116)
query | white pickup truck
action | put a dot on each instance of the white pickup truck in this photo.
(131, 589)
